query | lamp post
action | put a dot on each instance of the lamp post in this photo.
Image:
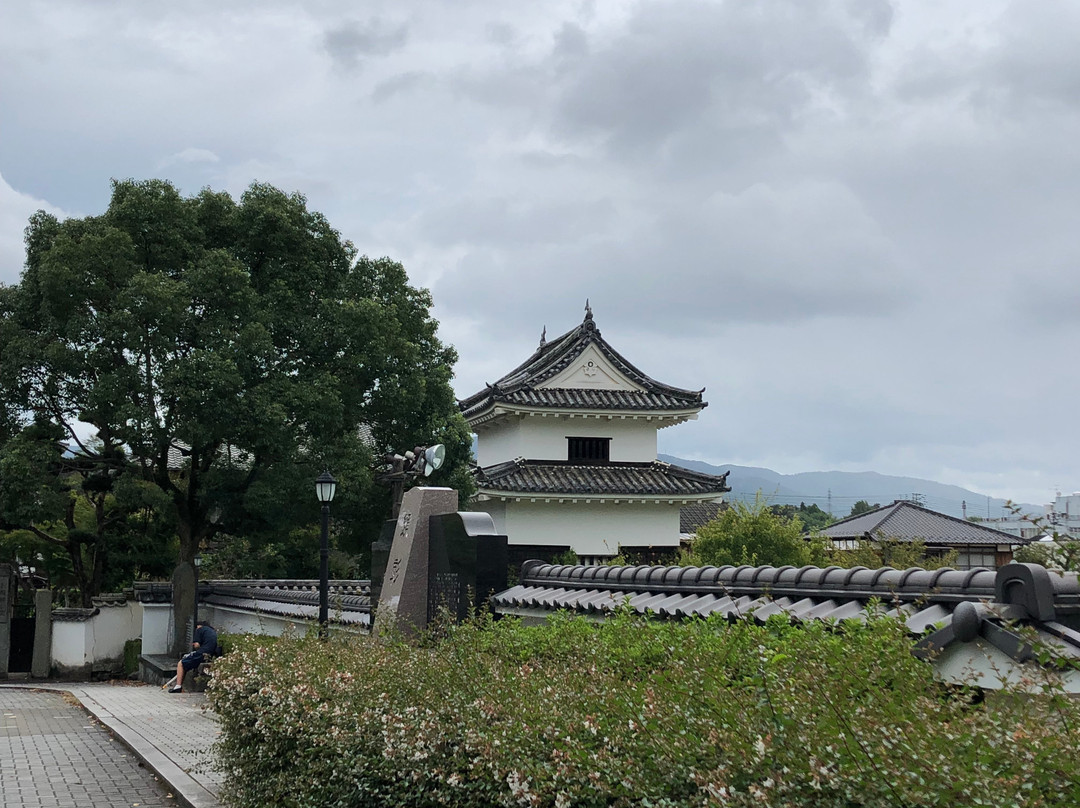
(197, 561)
(325, 488)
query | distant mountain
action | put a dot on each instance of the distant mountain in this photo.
(844, 488)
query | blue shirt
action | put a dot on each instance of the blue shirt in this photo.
(206, 637)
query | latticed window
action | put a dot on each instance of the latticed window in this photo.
(588, 450)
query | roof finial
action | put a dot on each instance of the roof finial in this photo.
(543, 337)
(588, 310)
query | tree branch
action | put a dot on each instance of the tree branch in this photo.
(41, 534)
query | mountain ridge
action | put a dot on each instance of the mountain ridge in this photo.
(842, 489)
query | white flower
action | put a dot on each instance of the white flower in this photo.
(759, 747)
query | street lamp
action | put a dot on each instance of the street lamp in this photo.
(197, 561)
(325, 488)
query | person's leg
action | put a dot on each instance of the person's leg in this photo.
(179, 677)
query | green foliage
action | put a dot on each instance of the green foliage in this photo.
(628, 713)
(891, 552)
(566, 557)
(76, 524)
(750, 533)
(132, 651)
(1062, 555)
(811, 516)
(862, 506)
(225, 352)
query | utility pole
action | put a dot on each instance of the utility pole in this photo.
(830, 502)
(963, 505)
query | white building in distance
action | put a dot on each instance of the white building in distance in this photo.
(566, 452)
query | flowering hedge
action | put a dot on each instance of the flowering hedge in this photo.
(628, 713)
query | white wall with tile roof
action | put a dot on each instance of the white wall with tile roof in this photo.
(536, 437)
(591, 529)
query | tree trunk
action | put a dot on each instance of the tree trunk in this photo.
(184, 579)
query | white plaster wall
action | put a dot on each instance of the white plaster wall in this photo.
(596, 528)
(497, 511)
(99, 639)
(230, 620)
(111, 628)
(237, 621)
(498, 442)
(156, 622)
(70, 648)
(536, 437)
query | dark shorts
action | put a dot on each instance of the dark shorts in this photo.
(193, 660)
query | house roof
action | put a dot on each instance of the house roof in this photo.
(519, 386)
(940, 607)
(548, 477)
(696, 514)
(907, 521)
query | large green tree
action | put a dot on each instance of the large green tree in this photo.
(751, 533)
(219, 350)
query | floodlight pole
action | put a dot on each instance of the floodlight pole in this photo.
(397, 484)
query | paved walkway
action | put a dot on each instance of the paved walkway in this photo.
(170, 733)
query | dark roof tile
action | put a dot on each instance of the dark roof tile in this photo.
(611, 479)
(987, 602)
(907, 521)
(519, 386)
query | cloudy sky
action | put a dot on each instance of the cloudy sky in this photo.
(854, 222)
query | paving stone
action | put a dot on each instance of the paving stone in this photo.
(53, 754)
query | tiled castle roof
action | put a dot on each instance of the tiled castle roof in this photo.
(603, 479)
(909, 522)
(940, 607)
(519, 386)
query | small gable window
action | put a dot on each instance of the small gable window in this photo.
(588, 450)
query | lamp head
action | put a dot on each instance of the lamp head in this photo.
(325, 488)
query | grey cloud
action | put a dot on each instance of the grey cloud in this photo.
(501, 33)
(728, 68)
(504, 221)
(739, 258)
(399, 84)
(857, 230)
(571, 42)
(349, 43)
(1036, 58)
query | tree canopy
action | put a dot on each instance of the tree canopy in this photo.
(862, 506)
(220, 353)
(751, 533)
(811, 516)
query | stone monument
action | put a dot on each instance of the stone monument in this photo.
(403, 601)
(438, 559)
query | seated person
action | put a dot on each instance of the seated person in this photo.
(205, 646)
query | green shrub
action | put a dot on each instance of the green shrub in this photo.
(132, 651)
(628, 713)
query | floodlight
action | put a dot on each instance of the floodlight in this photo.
(433, 458)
